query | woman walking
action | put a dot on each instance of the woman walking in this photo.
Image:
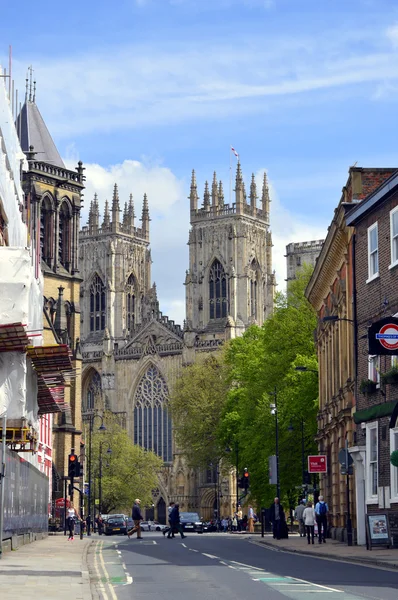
(71, 515)
(309, 521)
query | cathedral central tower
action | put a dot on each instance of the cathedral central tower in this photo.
(230, 284)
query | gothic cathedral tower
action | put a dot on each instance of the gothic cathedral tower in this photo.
(230, 284)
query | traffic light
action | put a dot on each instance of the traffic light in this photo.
(73, 466)
(246, 479)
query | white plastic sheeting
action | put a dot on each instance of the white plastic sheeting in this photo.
(11, 160)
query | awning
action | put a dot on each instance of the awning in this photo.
(55, 358)
(13, 337)
(374, 412)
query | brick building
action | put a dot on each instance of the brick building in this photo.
(331, 293)
(376, 278)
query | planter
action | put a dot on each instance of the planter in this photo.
(391, 377)
(367, 386)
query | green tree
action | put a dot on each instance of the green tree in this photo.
(197, 403)
(262, 362)
(128, 472)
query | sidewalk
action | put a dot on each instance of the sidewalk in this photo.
(381, 557)
(48, 569)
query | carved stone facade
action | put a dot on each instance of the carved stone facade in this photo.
(133, 354)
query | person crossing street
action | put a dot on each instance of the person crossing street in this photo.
(137, 518)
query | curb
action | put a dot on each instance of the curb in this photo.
(361, 561)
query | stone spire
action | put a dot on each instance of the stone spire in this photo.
(131, 213)
(90, 216)
(193, 196)
(253, 194)
(206, 197)
(106, 223)
(96, 212)
(265, 199)
(126, 218)
(145, 217)
(244, 191)
(214, 191)
(115, 209)
(220, 195)
(239, 189)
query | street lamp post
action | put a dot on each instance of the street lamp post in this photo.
(90, 450)
(237, 475)
(109, 451)
(274, 411)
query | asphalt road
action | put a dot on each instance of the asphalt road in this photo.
(227, 567)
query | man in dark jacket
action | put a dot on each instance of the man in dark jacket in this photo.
(137, 518)
(277, 518)
(175, 524)
(169, 528)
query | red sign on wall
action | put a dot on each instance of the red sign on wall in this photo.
(317, 464)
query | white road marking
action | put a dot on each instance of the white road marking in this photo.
(192, 550)
(322, 587)
(106, 574)
(185, 546)
(209, 555)
(244, 565)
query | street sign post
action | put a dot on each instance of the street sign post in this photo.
(317, 464)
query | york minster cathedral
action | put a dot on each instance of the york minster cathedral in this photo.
(132, 353)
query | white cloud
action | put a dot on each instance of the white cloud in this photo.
(138, 85)
(392, 35)
(169, 210)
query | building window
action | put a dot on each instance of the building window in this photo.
(298, 261)
(152, 422)
(372, 463)
(394, 235)
(46, 230)
(97, 305)
(253, 289)
(64, 236)
(218, 298)
(374, 369)
(130, 303)
(394, 470)
(373, 252)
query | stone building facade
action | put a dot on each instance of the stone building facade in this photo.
(331, 292)
(300, 253)
(53, 203)
(132, 353)
(376, 279)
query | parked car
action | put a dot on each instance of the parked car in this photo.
(155, 525)
(115, 524)
(191, 522)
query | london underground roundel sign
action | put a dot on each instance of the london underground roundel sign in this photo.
(383, 336)
(388, 336)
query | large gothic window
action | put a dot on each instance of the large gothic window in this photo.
(152, 422)
(92, 393)
(253, 289)
(64, 236)
(218, 297)
(46, 230)
(130, 303)
(97, 305)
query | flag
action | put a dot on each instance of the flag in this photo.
(235, 152)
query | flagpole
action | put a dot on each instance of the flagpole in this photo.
(230, 175)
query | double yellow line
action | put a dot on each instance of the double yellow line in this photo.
(104, 584)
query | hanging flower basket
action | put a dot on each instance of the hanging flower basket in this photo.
(391, 376)
(367, 386)
(394, 458)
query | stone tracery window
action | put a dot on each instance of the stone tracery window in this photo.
(97, 304)
(93, 391)
(46, 230)
(253, 288)
(152, 422)
(218, 297)
(64, 236)
(130, 302)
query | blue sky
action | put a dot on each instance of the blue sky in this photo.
(145, 90)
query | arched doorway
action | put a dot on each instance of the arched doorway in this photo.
(161, 511)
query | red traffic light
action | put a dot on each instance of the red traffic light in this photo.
(246, 474)
(72, 457)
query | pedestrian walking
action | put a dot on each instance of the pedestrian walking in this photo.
(175, 522)
(278, 519)
(239, 515)
(136, 515)
(321, 511)
(71, 516)
(251, 519)
(309, 521)
(234, 523)
(298, 515)
(167, 529)
(224, 524)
